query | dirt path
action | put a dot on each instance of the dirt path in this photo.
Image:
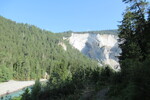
(101, 95)
(90, 94)
(87, 95)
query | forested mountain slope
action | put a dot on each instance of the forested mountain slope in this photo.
(27, 52)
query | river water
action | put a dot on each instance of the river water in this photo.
(14, 94)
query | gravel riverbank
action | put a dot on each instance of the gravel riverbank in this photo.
(12, 86)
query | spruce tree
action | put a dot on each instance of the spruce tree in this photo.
(132, 31)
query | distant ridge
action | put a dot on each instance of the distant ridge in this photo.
(113, 32)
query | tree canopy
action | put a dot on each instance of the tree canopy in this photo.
(27, 52)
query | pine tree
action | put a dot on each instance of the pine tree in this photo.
(134, 42)
(132, 31)
(35, 93)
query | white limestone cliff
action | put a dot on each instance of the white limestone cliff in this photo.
(102, 47)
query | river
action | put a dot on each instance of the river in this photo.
(14, 94)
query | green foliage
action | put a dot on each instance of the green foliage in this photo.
(27, 52)
(17, 98)
(34, 94)
(132, 82)
(36, 90)
(5, 74)
(73, 86)
(112, 32)
(26, 95)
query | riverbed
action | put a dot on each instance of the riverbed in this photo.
(13, 86)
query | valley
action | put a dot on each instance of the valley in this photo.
(77, 65)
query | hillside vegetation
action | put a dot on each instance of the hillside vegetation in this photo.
(111, 32)
(131, 83)
(27, 52)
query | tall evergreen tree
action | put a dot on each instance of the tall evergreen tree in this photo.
(132, 31)
(134, 42)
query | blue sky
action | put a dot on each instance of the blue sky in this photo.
(63, 15)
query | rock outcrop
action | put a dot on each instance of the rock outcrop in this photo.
(102, 47)
(62, 45)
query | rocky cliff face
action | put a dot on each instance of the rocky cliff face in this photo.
(103, 48)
